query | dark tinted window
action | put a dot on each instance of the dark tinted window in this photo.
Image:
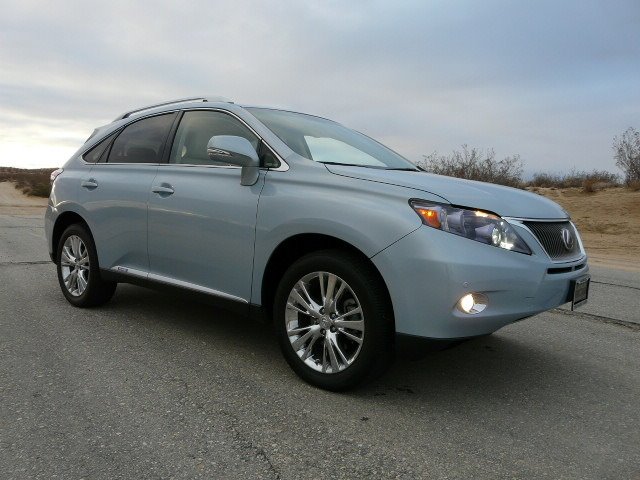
(142, 141)
(267, 158)
(93, 155)
(195, 130)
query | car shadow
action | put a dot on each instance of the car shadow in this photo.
(502, 368)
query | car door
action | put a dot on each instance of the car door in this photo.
(115, 193)
(201, 219)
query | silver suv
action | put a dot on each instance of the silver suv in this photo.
(347, 247)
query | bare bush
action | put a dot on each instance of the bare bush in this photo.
(589, 185)
(627, 154)
(476, 164)
(588, 181)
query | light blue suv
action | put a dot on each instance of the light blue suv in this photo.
(347, 247)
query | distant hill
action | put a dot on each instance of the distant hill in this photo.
(34, 182)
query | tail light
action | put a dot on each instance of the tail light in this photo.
(55, 174)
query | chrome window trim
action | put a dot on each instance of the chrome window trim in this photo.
(520, 223)
(175, 282)
(127, 163)
(233, 167)
(121, 128)
(284, 166)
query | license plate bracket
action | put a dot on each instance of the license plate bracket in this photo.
(580, 291)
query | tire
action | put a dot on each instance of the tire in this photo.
(348, 342)
(75, 250)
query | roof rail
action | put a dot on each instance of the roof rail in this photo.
(181, 100)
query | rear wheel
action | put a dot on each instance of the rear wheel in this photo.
(78, 269)
(333, 320)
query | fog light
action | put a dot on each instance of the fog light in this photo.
(472, 303)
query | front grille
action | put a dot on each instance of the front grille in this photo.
(549, 234)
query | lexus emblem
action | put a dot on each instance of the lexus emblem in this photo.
(567, 238)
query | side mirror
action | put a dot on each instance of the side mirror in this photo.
(236, 151)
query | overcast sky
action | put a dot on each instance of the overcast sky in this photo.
(553, 81)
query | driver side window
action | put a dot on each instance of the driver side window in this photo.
(194, 132)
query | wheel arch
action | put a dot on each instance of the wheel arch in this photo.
(64, 220)
(294, 248)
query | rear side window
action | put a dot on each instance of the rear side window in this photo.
(142, 141)
(93, 155)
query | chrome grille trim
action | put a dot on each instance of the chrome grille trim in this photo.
(549, 235)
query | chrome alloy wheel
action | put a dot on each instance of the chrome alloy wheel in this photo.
(74, 264)
(324, 322)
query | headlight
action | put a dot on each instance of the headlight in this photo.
(473, 224)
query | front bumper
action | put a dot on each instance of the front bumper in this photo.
(428, 271)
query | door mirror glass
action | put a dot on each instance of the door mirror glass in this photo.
(232, 150)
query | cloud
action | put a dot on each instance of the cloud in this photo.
(552, 81)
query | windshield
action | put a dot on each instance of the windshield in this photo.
(325, 141)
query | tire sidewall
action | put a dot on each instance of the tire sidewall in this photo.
(81, 300)
(378, 324)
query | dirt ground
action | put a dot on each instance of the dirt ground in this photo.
(609, 223)
(608, 220)
(13, 201)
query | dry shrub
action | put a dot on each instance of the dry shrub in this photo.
(588, 181)
(627, 154)
(476, 164)
(33, 182)
(634, 185)
(589, 185)
(41, 190)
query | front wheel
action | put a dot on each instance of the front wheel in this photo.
(333, 320)
(78, 269)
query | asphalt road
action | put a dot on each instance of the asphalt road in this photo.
(156, 386)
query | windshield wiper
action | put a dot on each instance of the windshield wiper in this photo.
(352, 165)
(408, 169)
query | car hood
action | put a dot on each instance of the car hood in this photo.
(504, 201)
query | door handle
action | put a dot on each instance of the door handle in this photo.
(89, 184)
(163, 189)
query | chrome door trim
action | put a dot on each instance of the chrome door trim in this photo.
(192, 286)
(129, 271)
(175, 282)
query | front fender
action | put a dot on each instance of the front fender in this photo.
(308, 199)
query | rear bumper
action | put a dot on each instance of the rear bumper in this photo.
(49, 221)
(428, 271)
